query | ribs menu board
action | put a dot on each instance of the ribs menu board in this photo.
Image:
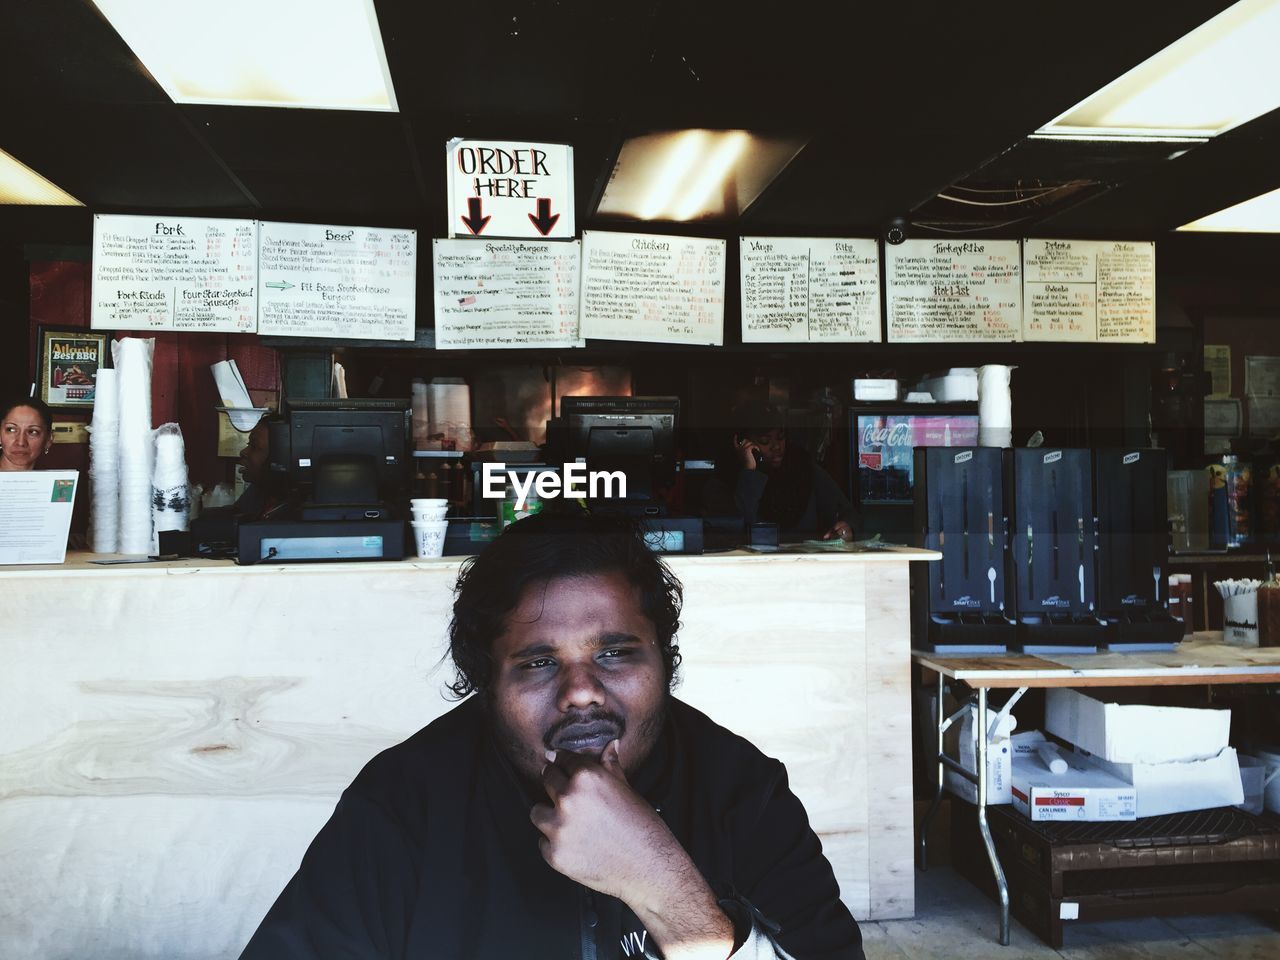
(797, 290)
(506, 293)
(940, 290)
(354, 283)
(656, 289)
(1089, 290)
(174, 273)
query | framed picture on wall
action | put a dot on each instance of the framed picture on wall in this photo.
(68, 365)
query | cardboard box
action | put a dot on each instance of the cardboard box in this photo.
(1180, 787)
(1135, 733)
(1082, 793)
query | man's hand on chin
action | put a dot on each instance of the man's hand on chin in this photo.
(598, 831)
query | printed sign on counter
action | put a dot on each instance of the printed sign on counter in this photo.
(174, 273)
(500, 188)
(1089, 290)
(506, 293)
(810, 289)
(940, 290)
(654, 289)
(341, 282)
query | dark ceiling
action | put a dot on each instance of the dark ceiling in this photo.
(900, 100)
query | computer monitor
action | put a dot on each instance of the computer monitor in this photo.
(350, 451)
(635, 435)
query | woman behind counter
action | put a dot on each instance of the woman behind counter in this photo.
(26, 432)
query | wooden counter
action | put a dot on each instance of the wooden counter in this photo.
(173, 735)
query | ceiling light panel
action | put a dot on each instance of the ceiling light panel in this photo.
(19, 184)
(323, 54)
(1218, 76)
(1259, 215)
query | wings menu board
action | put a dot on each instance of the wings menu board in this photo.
(355, 283)
(1089, 290)
(941, 290)
(816, 289)
(656, 289)
(174, 273)
(506, 293)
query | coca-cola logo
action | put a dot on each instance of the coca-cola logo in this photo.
(899, 435)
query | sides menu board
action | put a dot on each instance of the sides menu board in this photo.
(942, 290)
(1089, 290)
(508, 293)
(341, 282)
(174, 273)
(650, 288)
(797, 289)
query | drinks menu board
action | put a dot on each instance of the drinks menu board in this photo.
(506, 293)
(1089, 290)
(342, 282)
(657, 289)
(174, 273)
(816, 289)
(948, 290)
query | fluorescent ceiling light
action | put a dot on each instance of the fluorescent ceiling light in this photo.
(1259, 215)
(19, 184)
(694, 174)
(260, 53)
(1220, 75)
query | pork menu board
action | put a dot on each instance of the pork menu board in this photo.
(506, 293)
(650, 288)
(355, 283)
(174, 273)
(816, 289)
(1089, 290)
(949, 290)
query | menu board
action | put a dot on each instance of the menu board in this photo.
(947, 290)
(809, 289)
(1089, 290)
(355, 283)
(650, 288)
(174, 273)
(506, 293)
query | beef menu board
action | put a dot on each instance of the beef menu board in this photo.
(657, 289)
(355, 283)
(1089, 290)
(948, 290)
(506, 293)
(817, 289)
(174, 273)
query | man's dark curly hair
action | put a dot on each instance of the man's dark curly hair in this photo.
(551, 546)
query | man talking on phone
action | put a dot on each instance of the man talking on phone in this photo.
(571, 807)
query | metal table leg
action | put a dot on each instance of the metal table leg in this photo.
(1002, 887)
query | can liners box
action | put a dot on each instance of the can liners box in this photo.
(1083, 793)
(1135, 733)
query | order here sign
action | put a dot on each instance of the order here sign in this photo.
(501, 188)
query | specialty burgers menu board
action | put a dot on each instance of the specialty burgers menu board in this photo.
(657, 289)
(174, 273)
(815, 289)
(949, 290)
(1089, 290)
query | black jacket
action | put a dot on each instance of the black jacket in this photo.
(430, 854)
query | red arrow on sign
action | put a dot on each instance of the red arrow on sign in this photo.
(544, 221)
(475, 221)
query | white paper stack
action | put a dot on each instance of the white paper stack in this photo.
(133, 359)
(421, 415)
(231, 389)
(104, 462)
(170, 498)
(995, 406)
(449, 413)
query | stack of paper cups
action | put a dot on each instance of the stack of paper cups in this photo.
(133, 359)
(421, 415)
(170, 499)
(449, 409)
(995, 406)
(104, 462)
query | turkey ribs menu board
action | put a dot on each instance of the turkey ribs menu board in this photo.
(656, 289)
(1089, 290)
(949, 290)
(356, 283)
(815, 290)
(506, 293)
(174, 273)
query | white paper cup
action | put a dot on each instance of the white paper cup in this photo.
(1240, 619)
(427, 502)
(428, 537)
(429, 514)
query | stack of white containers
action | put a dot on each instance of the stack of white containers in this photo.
(104, 462)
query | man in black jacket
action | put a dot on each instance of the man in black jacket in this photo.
(571, 808)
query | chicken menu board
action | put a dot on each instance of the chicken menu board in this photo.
(655, 289)
(1089, 290)
(356, 283)
(949, 290)
(797, 289)
(174, 273)
(506, 293)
